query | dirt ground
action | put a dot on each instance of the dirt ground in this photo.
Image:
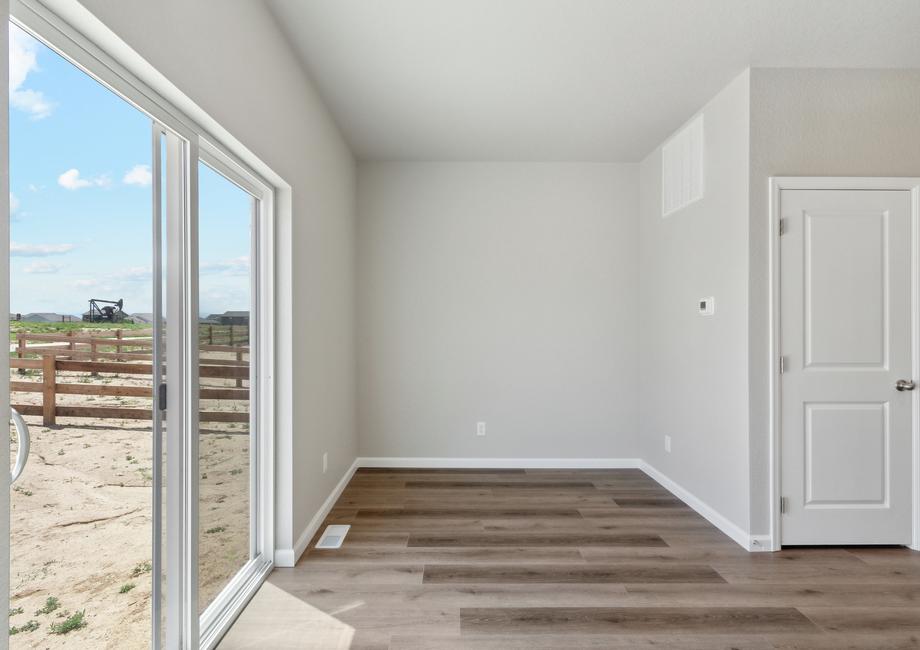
(81, 522)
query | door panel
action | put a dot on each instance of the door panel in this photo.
(81, 286)
(847, 440)
(845, 265)
(225, 216)
(846, 328)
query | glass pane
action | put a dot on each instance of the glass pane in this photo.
(81, 301)
(225, 241)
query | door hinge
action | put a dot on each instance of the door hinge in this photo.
(783, 227)
(161, 396)
(782, 365)
(783, 505)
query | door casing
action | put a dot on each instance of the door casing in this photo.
(777, 185)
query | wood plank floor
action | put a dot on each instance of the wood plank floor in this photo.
(552, 559)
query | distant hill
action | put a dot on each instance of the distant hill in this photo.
(46, 317)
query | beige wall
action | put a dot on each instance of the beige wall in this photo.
(815, 123)
(500, 292)
(693, 368)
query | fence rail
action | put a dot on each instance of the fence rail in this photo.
(53, 361)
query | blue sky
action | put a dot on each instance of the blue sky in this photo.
(80, 197)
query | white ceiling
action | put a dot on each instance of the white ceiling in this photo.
(602, 80)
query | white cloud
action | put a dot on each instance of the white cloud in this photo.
(43, 267)
(23, 56)
(233, 266)
(135, 274)
(24, 60)
(71, 180)
(32, 102)
(38, 250)
(14, 203)
(138, 175)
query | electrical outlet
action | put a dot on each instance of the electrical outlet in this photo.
(325, 461)
(480, 428)
(667, 444)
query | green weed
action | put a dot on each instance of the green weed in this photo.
(51, 604)
(141, 568)
(73, 622)
(31, 626)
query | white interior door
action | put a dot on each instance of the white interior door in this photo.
(846, 265)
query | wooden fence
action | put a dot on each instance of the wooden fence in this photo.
(120, 355)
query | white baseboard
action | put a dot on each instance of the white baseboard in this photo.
(287, 557)
(762, 544)
(501, 463)
(709, 513)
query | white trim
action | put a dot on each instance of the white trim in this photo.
(181, 416)
(242, 587)
(760, 544)
(777, 184)
(501, 463)
(220, 613)
(287, 557)
(5, 352)
(158, 361)
(915, 347)
(705, 510)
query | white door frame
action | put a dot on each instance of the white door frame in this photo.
(777, 185)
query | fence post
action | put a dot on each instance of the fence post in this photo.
(92, 354)
(239, 380)
(118, 345)
(231, 335)
(48, 389)
(21, 349)
(210, 335)
(70, 346)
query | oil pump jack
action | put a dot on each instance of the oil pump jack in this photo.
(105, 311)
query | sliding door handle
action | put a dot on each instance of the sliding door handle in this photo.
(22, 455)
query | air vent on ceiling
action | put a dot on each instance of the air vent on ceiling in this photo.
(682, 168)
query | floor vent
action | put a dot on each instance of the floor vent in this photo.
(333, 536)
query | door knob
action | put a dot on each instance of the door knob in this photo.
(905, 384)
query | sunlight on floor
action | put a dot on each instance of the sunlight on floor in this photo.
(282, 620)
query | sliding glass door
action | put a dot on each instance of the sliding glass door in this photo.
(150, 408)
(225, 518)
(86, 363)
